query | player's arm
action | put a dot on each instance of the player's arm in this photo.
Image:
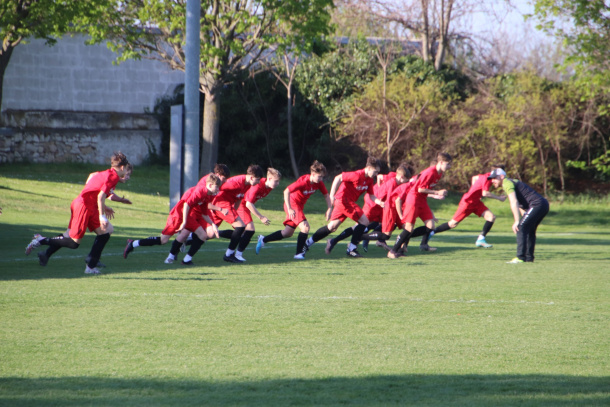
(212, 224)
(255, 211)
(376, 200)
(487, 194)
(289, 211)
(398, 204)
(441, 192)
(105, 212)
(186, 209)
(514, 207)
(217, 208)
(333, 190)
(116, 198)
(329, 204)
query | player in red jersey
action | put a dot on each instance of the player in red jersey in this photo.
(247, 208)
(295, 197)
(417, 204)
(88, 211)
(231, 192)
(471, 203)
(345, 191)
(184, 219)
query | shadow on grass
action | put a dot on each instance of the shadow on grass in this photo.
(399, 390)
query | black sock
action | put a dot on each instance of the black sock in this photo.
(376, 236)
(175, 249)
(486, 228)
(51, 250)
(424, 240)
(235, 237)
(320, 234)
(346, 233)
(373, 226)
(273, 237)
(420, 231)
(403, 238)
(96, 251)
(357, 235)
(442, 228)
(245, 240)
(61, 241)
(195, 245)
(150, 241)
(226, 234)
(301, 238)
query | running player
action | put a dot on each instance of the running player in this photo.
(295, 197)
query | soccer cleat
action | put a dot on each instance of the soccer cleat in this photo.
(169, 260)
(393, 255)
(240, 258)
(188, 263)
(426, 248)
(483, 243)
(98, 265)
(33, 244)
(300, 256)
(260, 244)
(516, 260)
(128, 248)
(93, 270)
(231, 259)
(382, 244)
(43, 259)
(365, 246)
(353, 253)
(329, 246)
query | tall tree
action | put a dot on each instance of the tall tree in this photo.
(235, 36)
(21, 20)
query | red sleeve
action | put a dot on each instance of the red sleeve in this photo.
(298, 184)
(352, 176)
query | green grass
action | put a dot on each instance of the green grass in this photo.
(457, 327)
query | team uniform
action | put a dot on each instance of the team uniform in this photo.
(253, 194)
(390, 214)
(84, 211)
(471, 200)
(417, 202)
(231, 191)
(353, 185)
(300, 191)
(197, 199)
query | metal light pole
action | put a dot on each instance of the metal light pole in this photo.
(191, 95)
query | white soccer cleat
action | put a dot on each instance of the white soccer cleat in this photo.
(239, 257)
(483, 243)
(300, 256)
(33, 244)
(169, 260)
(93, 270)
(260, 244)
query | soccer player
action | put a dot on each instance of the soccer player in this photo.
(184, 219)
(295, 197)
(471, 203)
(417, 204)
(232, 190)
(88, 211)
(247, 208)
(345, 191)
(535, 207)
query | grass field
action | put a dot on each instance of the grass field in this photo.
(456, 327)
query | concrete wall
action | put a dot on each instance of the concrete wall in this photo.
(73, 76)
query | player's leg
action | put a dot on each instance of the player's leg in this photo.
(238, 230)
(101, 238)
(244, 241)
(402, 240)
(530, 227)
(301, 239)
(429, 224)
(324, 231)
(198, 239)
(489, 222)
(352, 248)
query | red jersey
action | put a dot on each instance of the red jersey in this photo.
(302, 189)
(100, 181)
(255, 193)
(475, 193)
(354, 184)
(197, 199)
(401, 191)
(233, 189)
(426, 179)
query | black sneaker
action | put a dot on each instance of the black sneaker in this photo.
(426, 248)
(128, 248)
(98, 265)
(329, 246)
(354, 253)
(188, 263)
(43, 259)
(231, 259)
(365, 246)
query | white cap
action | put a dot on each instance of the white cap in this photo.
(496, 173)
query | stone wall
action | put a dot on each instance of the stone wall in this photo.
(60, 136)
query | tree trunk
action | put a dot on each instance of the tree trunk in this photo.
(211, 122)
(295, 168)
(5, 57)
(425, 39)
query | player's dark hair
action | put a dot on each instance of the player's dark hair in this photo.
(255, 170)
(372, 162)
(403, 171)
(272, 172)
(501, 166)
(213, 179)
(222, 169)
(318, 168)
(118, 159)
(444, 157)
